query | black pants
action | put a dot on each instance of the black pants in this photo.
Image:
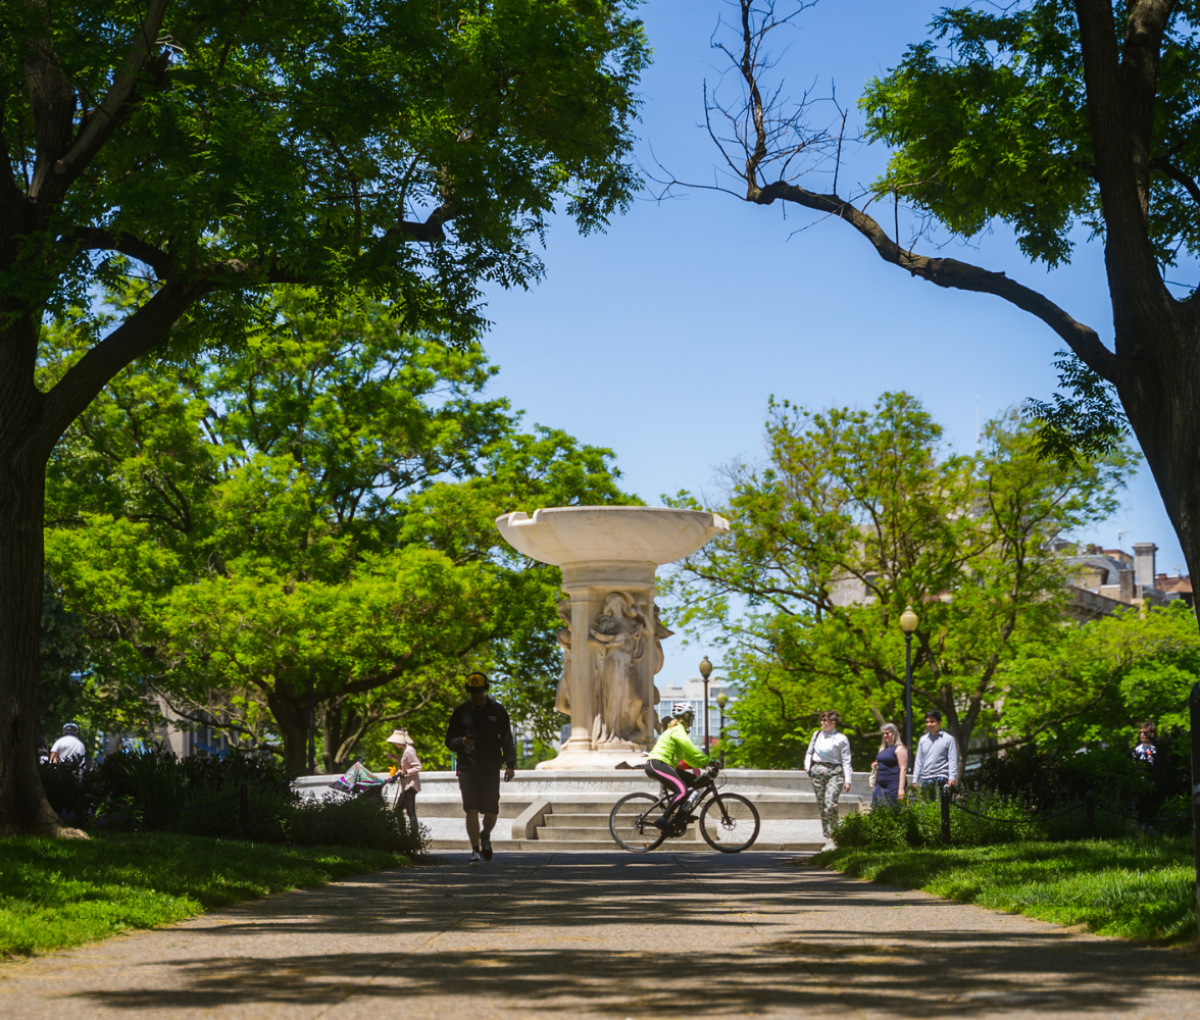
(407, 802)
(480, 789)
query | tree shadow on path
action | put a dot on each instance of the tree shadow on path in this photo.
(604, 935)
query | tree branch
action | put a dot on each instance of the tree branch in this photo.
(1121, 126)
(103, 120)
(146, 327)
(1169, 169)
(1145, 26)
(782, 705)
(431, 230)
(1058, 720)
(197, 718)
(98, 239)
(11, 193)
(949, 273)
(52, 101)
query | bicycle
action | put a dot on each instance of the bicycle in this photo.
(728, 821)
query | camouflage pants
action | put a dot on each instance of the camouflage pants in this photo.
(827, 785)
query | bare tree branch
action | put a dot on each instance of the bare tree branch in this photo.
(951, 273)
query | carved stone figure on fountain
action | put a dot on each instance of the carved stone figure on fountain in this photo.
(610, 636)
(621, 633)
(660, 632)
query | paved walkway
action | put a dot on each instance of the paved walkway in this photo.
(605, 936)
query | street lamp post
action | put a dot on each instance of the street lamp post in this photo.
(722, 701)
(312, 724)
(908, 623)
(705, 673)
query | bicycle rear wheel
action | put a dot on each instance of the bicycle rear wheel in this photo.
(629, 823)
(729, 823)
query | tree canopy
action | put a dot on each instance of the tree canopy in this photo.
(855, 514)
(1044, 115)
(322, 512)
(192, 155)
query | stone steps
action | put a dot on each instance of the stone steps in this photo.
(583, 825)
(565, 845)
(575, 820)
(569, 811)
(561, 833)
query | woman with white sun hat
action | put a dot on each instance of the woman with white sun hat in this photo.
(407, 772)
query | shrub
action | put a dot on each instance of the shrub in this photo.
(152, 789)
(72, 790)
(1124, 788)
(364, 821)
(918, 823)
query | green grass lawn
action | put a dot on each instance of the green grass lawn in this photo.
(1134, 888)
(56, 893)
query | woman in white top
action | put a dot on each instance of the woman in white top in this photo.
(828, 765)
(407, 771)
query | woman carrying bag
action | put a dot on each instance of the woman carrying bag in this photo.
(828, 765)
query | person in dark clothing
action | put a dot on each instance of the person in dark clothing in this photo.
(480, 734)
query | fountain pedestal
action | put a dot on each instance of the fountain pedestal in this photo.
(612, 638)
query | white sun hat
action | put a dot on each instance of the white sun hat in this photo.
(401, 737)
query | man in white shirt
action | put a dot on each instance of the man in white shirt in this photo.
(828, 765)
(937, 755)
(68, 747)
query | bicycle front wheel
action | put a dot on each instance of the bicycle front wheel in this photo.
(729, 823)
(629, 823)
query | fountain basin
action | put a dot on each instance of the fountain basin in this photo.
(579, 534)
(612, 636)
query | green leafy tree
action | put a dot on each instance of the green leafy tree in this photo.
(857, 514)
(63, 658)
(210, 149)
(1047, 116)
(1103, 680)
(318, 517)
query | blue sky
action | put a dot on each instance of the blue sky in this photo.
(664, 338)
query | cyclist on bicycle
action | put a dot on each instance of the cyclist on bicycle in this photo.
(674, 748)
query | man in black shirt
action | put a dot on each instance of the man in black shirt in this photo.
(481, 736)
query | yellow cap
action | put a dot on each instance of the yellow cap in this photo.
(477, 680)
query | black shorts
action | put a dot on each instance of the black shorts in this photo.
(480, 789)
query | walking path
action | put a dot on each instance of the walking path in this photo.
(605, 935)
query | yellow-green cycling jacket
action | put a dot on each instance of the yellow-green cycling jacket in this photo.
(674, 746)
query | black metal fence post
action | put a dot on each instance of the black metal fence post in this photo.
(1195, 713)
(1089, 803)
(945, 815)
(244, 811)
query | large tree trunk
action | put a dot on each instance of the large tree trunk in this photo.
(1160, 391)
(291, 715)
(341, 728)
(23, 804)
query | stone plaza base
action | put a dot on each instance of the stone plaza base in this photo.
(568, 810)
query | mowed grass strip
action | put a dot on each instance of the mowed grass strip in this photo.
(1133, 888)
(58, 893)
